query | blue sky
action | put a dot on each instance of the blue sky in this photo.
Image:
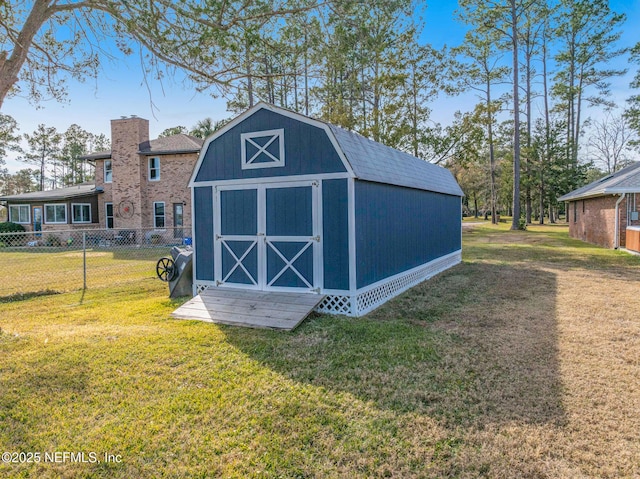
(121, 90)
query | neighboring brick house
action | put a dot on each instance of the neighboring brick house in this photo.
(605, 212)
(75, 207)
(140, 183)
(145, 182)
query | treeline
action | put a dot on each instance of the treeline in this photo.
(367, 67)
(534, 67)
(57, 157)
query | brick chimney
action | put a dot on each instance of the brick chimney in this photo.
(127, 134)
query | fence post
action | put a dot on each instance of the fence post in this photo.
(84, 260)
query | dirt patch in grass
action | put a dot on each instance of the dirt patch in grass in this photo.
(11, 298)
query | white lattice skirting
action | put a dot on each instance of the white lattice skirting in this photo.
(335, 304)
(369, 298)
(200, 288)
(372, 296)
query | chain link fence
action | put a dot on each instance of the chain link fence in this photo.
(79, 259)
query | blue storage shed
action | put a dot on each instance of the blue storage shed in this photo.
(284, 202)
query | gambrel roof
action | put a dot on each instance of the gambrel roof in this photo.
(627, 180)
(373, 161)
(365, 159)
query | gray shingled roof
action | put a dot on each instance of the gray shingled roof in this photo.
(373, 161)
(171, 144)
(168, 145)
(98, 155)
(88, 189)
(627, 180)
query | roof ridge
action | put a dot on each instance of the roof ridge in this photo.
(608, 184)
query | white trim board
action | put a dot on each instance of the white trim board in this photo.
(271, 179)
(263, 242)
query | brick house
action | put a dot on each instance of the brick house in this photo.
(139, 183)
(145, 182)
(605, 212)
(75, 207)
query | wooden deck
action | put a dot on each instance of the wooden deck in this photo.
(253, 309)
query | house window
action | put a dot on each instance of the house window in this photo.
(108, 171)
(81, 213)
(154, 169)
(158, 214)
(55, 213)
(19, 214)
(632, 211)
(108, 207)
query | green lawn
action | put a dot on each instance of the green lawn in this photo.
(58, 269)
(520, 362)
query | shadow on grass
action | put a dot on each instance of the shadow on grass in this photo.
(475, 345)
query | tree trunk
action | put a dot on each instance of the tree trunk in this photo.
(541, 193)
(249, 74)
(528, 175)
(545, 157)
(306, 76)
(492, 160)
(516, 120)
(10, 66)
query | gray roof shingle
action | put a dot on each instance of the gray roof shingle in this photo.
(168, 145)
(627, 180)
(88, 189)
(373, 161)
(180, 143)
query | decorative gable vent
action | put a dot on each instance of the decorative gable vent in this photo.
(262, 149)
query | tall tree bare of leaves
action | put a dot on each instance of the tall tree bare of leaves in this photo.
(45, 41)
(610, 142)
(587, 32)
(44, 147)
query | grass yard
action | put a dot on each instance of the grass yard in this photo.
(524, 361)
(58, 269)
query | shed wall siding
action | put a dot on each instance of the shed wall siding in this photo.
(400, 228)
(204, 234)
(335, 218)
(308, 150)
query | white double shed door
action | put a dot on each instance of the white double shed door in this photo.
(268, 236)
